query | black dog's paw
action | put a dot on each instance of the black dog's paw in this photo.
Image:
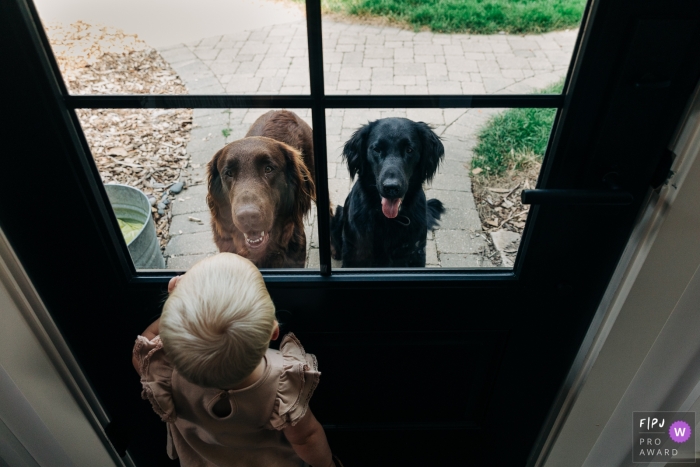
(435, 210)
(337, 233)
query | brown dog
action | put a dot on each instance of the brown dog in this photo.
(260, 188)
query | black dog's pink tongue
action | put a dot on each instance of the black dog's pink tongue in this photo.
(390, 207)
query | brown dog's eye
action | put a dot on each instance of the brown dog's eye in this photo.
(228, 173)
(268, 169)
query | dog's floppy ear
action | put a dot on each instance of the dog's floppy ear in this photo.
(216, 197)
(355, 149)
(433, 151)
(299, 176)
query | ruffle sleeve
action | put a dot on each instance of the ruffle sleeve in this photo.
(156, 376)
(296, 385)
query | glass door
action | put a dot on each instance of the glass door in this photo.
(427, 363)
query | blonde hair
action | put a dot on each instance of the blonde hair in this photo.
(217, 322)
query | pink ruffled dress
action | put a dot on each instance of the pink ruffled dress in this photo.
(227, 428)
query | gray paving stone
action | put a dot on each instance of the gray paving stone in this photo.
(460, 132)
(204, 113)
(296, 79)
(409, 69)
(459, 241)
(202, 157)
(179, 55)
(202, 150)
(472, 46)
(198, 174)
(488, 67)
(453, 182)
(452, 199)
(338, 190)
(224, 67)
(449, 166)
(206, 133)
(193, 200)
(209, 42)
(540, 64)
(350, 58)
(444, 87)
(191, 244)
(313, 260)
(462, 64)
(312, 234)
(436, 71)
(242, 86)
(494, 85)
(519, 88)
(182, 223)
(450, 115)
(375, 51)
(473, 88)
(543, 80)
(431, 255)
(524, 53)
(448, 260)
(214, 88)
(191, 70)
(460, 219)
(183, 263)
(206, 52)
(214, 118)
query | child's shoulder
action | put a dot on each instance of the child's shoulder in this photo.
(291, 349)
(298, 378)
(156, 376)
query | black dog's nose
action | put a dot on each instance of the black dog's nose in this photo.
(391, 188)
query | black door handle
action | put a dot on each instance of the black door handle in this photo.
(579, 197)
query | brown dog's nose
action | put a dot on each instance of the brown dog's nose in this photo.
(249, 217)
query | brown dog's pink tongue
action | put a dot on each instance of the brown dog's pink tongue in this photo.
(390, 207)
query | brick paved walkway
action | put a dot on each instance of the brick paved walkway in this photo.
(360, 60)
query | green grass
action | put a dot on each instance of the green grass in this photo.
(473, 16)
(515, 138)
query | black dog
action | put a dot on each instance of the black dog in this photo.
(385, 219)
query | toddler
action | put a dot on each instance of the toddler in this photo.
(206, 368)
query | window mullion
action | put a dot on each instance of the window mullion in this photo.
(318, 117)
(225, 101)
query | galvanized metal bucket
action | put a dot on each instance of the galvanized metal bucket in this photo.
(131, 203)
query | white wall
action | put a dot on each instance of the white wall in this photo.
(41, 422)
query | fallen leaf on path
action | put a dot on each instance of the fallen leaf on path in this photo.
(117, 152)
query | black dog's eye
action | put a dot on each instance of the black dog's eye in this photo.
(409, 150)
(268, 169)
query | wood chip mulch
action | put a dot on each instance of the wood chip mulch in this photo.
(143, 148)
(499, 207)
